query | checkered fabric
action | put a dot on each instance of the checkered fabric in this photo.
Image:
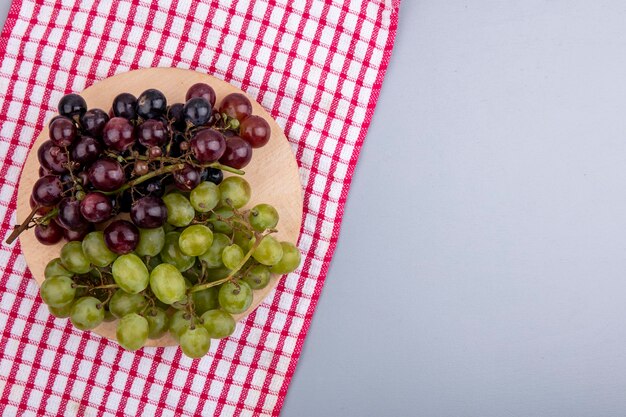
(316, 65)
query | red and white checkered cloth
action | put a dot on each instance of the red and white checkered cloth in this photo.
(316, 65)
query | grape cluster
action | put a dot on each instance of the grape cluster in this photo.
(185, 255)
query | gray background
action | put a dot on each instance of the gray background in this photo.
(481, 269)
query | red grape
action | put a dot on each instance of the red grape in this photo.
(79, 234)
(187, 179)
(236, 105)
(49, 234)
(148, 212)
(106, 174)
(201, 90)
(62, 132)
(42, 211)
(47, 190)
(175, 115)
(255, 130)
(208, 145)
(119, 134)
(121, 236)
(152, 133)
(238, 153)
(96, 207)
(86, 150)
(69, 216)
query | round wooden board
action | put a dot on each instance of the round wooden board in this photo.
(272, 173)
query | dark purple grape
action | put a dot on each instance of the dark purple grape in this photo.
(201, 90)
(72, 105)
(152, 133)
(187, 179)
(255, 130)
(49, 234)
(124, 105)
(154, 188)
(67, 181)
(175, 115)
(42, 211)
(43, 171)
(83, 177)
(96, 207)
(238, 153)
(151, 104)
(106, 174)
(121, 236)
(197, 111)
(175, 150)
(47, 191)
(62, 132)
(93, 122)
(236, 105)
(148, 212)
(213, 175)
(118, 134)
(208, 145)
(69, 216)
(77, 235)
(86, 150)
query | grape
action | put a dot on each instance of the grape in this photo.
(172, 254)
(187, 179)
(237, 106)
(216, 274)
(235, 298)
(175, 115)
(72, 105)
(235, 191)
(47, 190)
(124, 106)
(96, 207)
(87, 313)
(42, 210)
(52, 158)
(151, 104)
(121, 236)
(73, 258)
(49, 234)
(158, 323)
(132, 331)
(213, 175)
(179, 323)
(69, 215)
(213, 256)
(106, 174)
(123, 303)
(130, 273)
(152, 133)
(167, 283)
(118, 134)
(268, 252)
(179, 210)
(258, 277)
(195, 240)
(255, 130)
(242, 239)
(154, 188)
(263, 217)
(153, 261)
(148, 212)
(86, 150)
(195, 342)
(197, 111)
(77, 235)
(96, 250)
(208, 145)
(218, 323)
(290, 260)
(232, 256)
(62, 312)
(221, 226)
(93, 122)
(205, 197)
(55, 267)
(57, 291)
(238, 153)
(205, 300)
(151, 241)
(201, 90)
(62, 132)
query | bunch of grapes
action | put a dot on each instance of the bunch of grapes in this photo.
(157, 237)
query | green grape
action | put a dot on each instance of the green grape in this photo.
(132, 331)
(235, 191)
(205, 197)
(178, 323)
(151, 241)
(167, 283)
(213, 256)
(220, 226)
(235, 298)
(195, 342)
(153, 262)
(62, 312)
(263, 217)
(87, 313)
(195, 240)
(168, 227)
(258, 277)
(242, 239)
(96, 250)
(55, 268)
(57, 291)
(172, 254)
(179, 210)
(74, 259)
(218, 323)
(205, 300)
(158, 323)
(232, 256)
(268, 252)
(216, 274)
(130, 273)
(123, 303)
(290, 260)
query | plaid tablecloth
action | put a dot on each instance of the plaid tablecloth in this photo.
(317, 66)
